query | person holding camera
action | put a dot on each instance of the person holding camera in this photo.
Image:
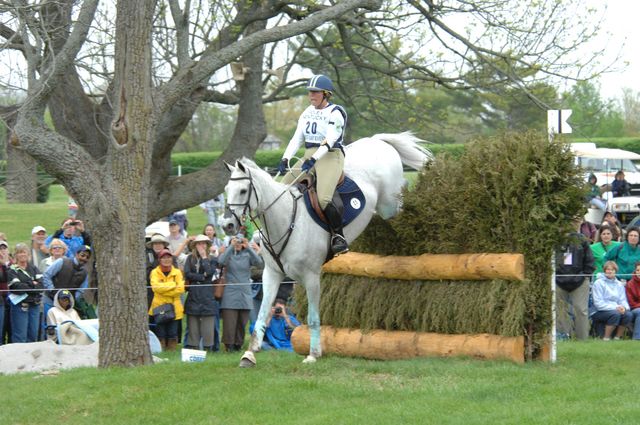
(280, 325)
(25, 295)
(73, 234)
(236, 301)
(201, 307)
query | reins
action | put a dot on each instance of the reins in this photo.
(267, 243)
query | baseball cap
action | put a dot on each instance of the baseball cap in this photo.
(172, 221)
(4, 243)
(38, 229)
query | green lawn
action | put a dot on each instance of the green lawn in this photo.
(592, 383)
(17, 220)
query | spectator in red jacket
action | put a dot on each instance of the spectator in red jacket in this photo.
(633, 296)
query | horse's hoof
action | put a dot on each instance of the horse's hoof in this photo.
(309, 359)
(247, 360)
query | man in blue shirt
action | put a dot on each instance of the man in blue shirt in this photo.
(72, 233)
(280, 326)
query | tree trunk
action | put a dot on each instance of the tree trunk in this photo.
(122, 293)
(123, 315)
(22, 177)
(251, 127)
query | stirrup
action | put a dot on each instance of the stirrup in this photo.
(339, 244)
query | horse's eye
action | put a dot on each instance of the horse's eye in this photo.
(243, 192)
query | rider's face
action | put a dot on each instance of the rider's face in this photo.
(316, 98)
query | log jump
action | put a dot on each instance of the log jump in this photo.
(395, 345)
(430, 266)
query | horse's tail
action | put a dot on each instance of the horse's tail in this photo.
(411, 153)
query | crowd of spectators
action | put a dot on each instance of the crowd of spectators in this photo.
(597, 276)
(200, 278)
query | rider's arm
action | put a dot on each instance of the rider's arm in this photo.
(295, 142)
(335, 133)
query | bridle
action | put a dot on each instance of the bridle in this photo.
(246, 207)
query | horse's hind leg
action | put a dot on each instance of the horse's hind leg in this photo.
(312, 285)
(270, 283)
(389, 198)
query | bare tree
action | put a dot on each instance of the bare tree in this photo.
(112, 152)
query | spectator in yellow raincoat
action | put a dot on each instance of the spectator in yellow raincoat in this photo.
(167, 283)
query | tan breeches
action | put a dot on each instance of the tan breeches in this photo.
(328, 170)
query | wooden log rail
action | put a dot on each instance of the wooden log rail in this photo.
(430, 266)
(395, 345)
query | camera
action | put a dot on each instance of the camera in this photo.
(278, 310)
(239, 237)
(73, 223)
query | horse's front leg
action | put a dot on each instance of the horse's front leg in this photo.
(312, 285)
(270, 283)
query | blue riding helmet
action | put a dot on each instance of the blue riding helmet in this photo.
(320, 83)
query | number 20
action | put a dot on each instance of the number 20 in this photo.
(311, 125)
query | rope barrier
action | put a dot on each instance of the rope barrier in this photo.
(241, 284)
(149, 286)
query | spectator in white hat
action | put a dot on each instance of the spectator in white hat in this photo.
(39, 250)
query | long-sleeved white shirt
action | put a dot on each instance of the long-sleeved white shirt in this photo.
(315, 126)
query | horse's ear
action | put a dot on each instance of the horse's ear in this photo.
(240, 166)
(229, 166)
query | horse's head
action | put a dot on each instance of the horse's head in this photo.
(241, 195)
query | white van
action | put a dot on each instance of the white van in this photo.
(605, 163)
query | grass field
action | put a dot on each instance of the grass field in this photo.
(17, 220)
(593, 383)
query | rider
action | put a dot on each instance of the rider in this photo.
(321, 128)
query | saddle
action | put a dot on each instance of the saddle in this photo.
(348, 199)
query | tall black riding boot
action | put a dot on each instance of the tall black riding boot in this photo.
(338, 242)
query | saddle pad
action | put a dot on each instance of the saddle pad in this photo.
(352, 199)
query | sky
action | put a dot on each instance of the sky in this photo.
(621, 21)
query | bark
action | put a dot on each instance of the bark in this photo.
(430, 266)
(395, 345)
(22, 179)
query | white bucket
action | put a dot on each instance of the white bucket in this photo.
(189, 355)
(594, 215)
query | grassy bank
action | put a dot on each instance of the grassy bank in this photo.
(592, 383)
(17, 220)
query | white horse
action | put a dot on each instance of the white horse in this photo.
(293, 244)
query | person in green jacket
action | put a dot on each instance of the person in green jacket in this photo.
(604, 243)
(626, 255)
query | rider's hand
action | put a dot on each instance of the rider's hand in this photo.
(308, 165)
(282, 167)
